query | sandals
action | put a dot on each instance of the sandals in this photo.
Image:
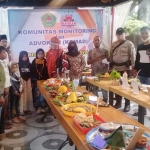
(20, 118)
(15, 120)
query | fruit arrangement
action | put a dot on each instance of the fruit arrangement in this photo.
(53, 82)
(63, 98)
(103, 76)
(115, 75)
(106, 75)
(56, 86)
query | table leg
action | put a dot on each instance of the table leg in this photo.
(45, 115)
(64, 143)
(87, 86)
(111, 98)
(141, 111)
(68, 140)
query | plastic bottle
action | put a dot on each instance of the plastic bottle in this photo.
(125, 75)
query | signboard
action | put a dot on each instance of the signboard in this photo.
(32, 29)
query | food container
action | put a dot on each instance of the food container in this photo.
(86, 130)
(53, 94)
(93, 99)
(71, 114)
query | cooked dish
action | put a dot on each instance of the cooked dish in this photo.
(86, 121)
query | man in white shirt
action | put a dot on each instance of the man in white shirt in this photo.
(5, 63)
(4, 43)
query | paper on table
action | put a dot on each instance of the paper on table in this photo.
(125, 84)
(99, 142)
(93, 77)
(93, 98)
(104, 61)
(135, 87)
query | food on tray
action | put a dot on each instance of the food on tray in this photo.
(68, 109)
(62, 89)
(63, 98)
(51, 88)
(82, 99)
(86, 69)
(53, 93)
(53, 82)
(106, 75)
(79, 110)
(74, 108)
(141, 142)
(86, 121)
(72, 98)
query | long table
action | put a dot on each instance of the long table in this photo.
(142, 99)
(107, 114)
(86, 73)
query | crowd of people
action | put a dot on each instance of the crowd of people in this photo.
(19, 94)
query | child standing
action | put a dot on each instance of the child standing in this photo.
(15, 93)
(26, 101)
(3, 56)
(39, 72)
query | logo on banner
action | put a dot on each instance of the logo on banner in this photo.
(68, 20)
(48, 20)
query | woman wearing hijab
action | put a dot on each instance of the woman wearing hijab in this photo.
(76, 61)
(26, 101)
(39, 72)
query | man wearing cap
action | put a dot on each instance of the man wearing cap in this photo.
(122, 57)
(4, 43)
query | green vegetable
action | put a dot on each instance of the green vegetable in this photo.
(115, 75)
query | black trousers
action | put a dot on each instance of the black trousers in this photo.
(118, 97)
(14, 105)
(2, 128)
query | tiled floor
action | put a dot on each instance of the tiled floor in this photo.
(34, 135)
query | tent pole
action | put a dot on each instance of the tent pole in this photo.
(112, 26)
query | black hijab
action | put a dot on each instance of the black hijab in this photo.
(24, 66)
(21, 62)
(72, 50)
